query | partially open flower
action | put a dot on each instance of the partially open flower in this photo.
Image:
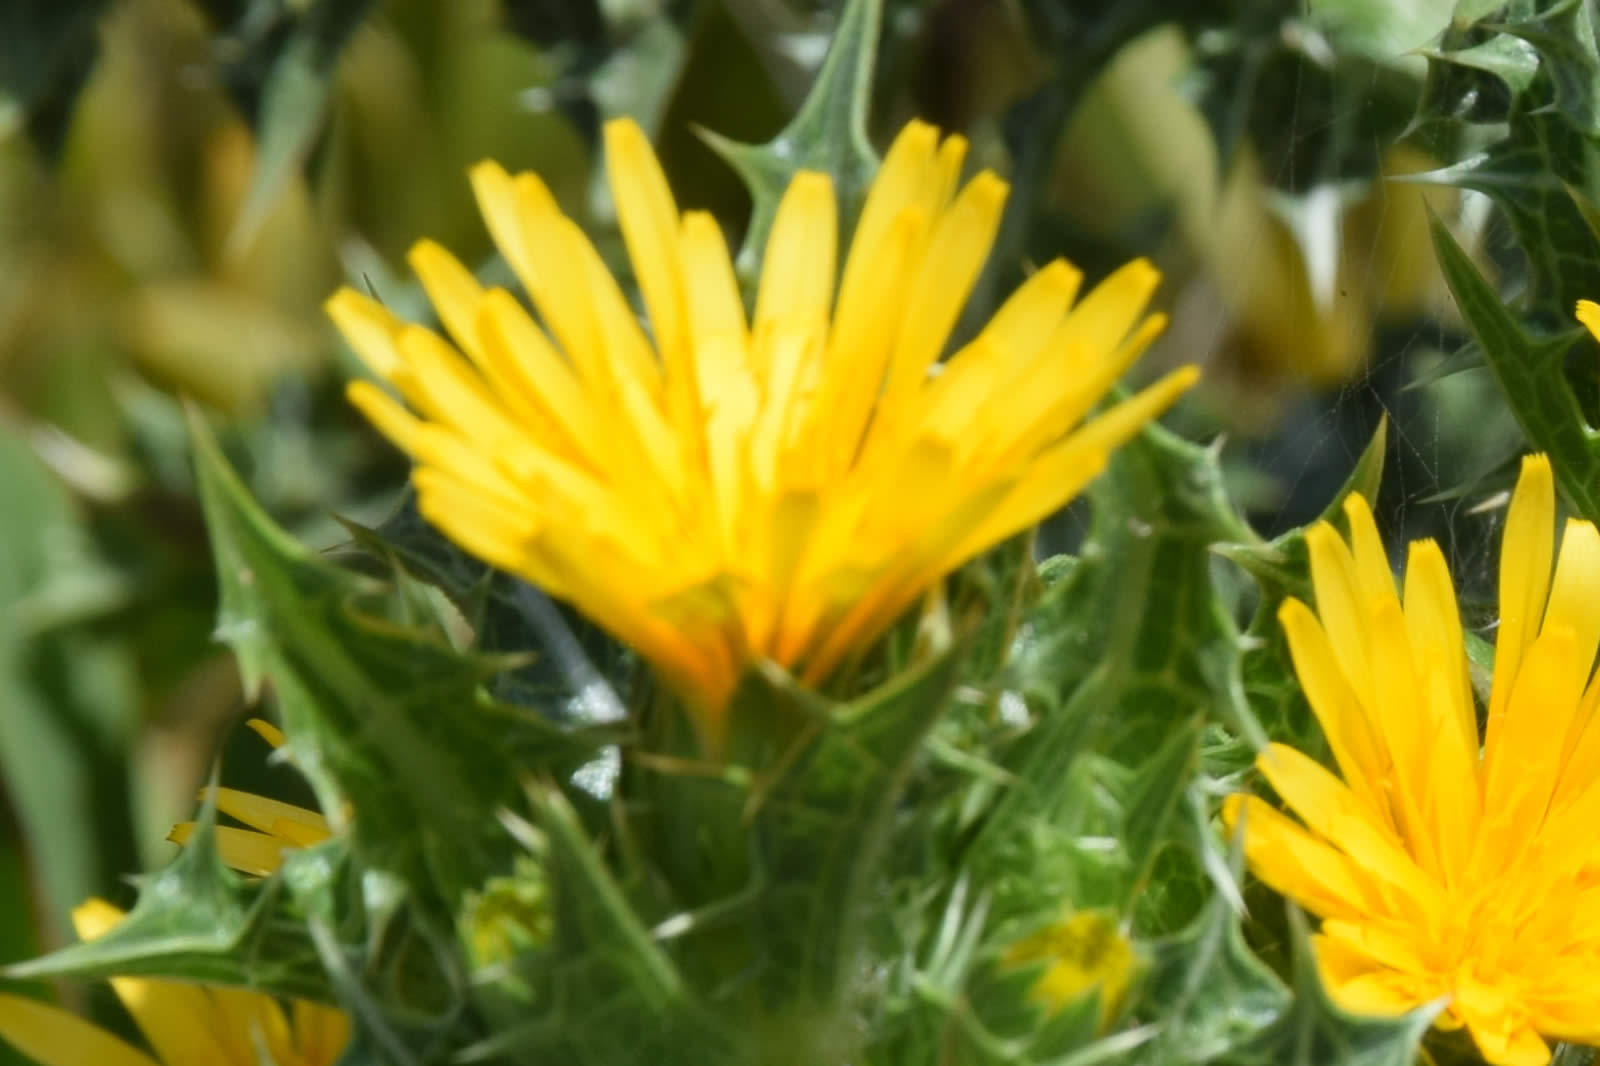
(1441, 871)
(1083, 952)
(715, 488)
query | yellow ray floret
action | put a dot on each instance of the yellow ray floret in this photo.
(1442, 870)
(184, 1024)
(274, 826)
(714, 487)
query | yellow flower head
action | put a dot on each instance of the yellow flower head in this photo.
(1439, 871)
(1084, 951)
(715, 488)
(185, 1024)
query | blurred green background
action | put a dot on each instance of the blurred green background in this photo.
(182, 182)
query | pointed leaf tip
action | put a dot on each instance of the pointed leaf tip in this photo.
(827, 134)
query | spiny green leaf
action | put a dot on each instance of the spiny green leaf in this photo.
(1529, 370)
(389, 718)
(1208, 992)
(603, 990)
(828, 134)
(197, 920)
(819, 832)
(1513, 61)
(1101, 666)
(1157, 791)
(1563, 35)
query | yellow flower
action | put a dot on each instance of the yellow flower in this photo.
(1439, 871)
(274, 825)
(1083, 952)
(185, 1024)
(714, 489)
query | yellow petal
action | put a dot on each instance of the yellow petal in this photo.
(502, 210)
(1588, 312)
(1063, 387)
(1103, 319)
(906, 180)
(1380, 994)
(956, 252)
(1030, 316)
(245, 850)
(252, 1020)
(648, 216)
(51, 1036)
(870, 303)
(1383, 946)
(1525, 750)
(267, 731)
(1339, 606)
(1449, 728)
(1373, 576)
(1329, 808)
(452, 290)
(259, 812)
(1355, 745)
(715, 308)
(527, 366)
(797, 272)
(320, 1033)
(479, 523)
(1397, 693)
(1295, 863)
(1506, 1045)
(650, 227)
(393, 421)
(369, 329)
(94, 918)
(1526, 551)
(456, 396)
(1433, 621)
(1574, 602)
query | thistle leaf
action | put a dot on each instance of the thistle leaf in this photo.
(1529, 369)
(386, 717)
(828, 134)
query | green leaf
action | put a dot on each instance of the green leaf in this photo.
(820, 830)
(828, 134)
(1209, 993)
(197, 920)
(1563, 35)
(1160, 784)
(604, 990)
(1105, 673)
(387, 717)
(1529, 370)
(1513, 61)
